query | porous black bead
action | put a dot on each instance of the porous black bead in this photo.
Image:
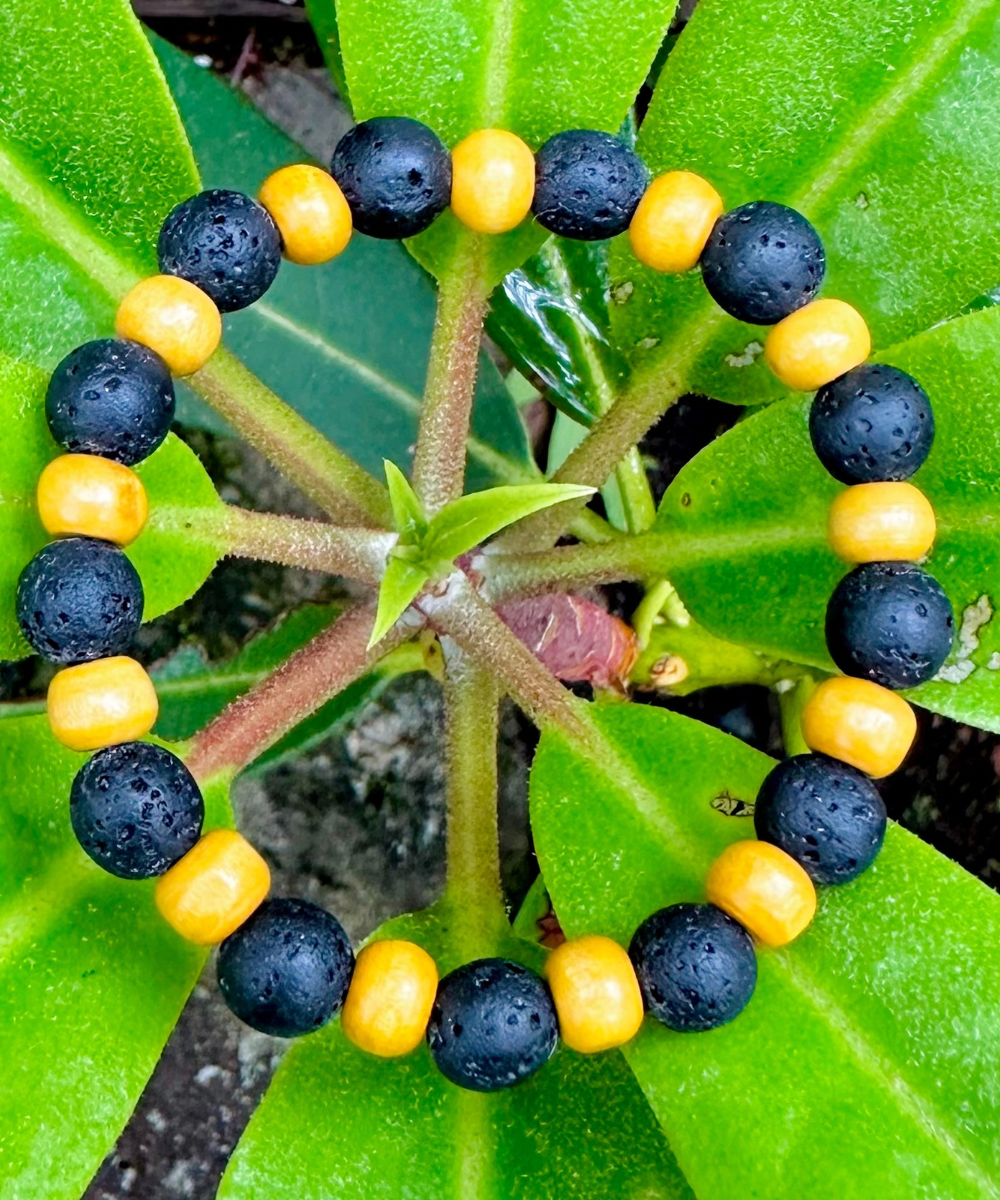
(824, 813)
(493, 1024)
(872, 424)
(890, 622)
(587, 184)
(136, 809)
(223, 242)
(696, 966)
(395, 174)
(79, 599)
(762, 261)
(287, 969)
(111, 397)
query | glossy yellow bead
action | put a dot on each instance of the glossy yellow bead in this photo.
(671, 225)
(878, 522)
(860, 723)
(95, 497)
(596, 994)
(390, 998)
(816, 344)
(101, 703)
(310, 211)
(765, 889)
(210, 892)
(174, 318)
(492, 181)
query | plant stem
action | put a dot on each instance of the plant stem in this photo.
(302, 684)
(791, 702)
(300, 452)
(439, 462)
(512, 576)
(471, 701)
(637, 496)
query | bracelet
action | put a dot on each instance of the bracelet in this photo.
(285, 966)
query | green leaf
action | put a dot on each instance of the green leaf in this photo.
(532, 67)
(172, 557)
(336, 1118)
(346, 344)
(400, 586)
(863, 117)
(91, 978)
(867, 1062)
(408, 512)
(323, 17)
(470, 520)
(744, 523)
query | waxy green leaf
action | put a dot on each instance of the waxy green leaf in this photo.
(868, 1060)
(92, 980)
(535, 67)
(875, 120)
(336, 1121)
(407, 511)
(744, 523)
(402, 582)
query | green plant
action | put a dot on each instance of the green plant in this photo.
(870, 1053)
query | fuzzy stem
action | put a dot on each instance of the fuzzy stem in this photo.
(304, 682)
(439, 462)
(300, 452)
(471, 706)
(565, 568)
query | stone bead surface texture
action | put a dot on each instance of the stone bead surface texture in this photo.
(696, 966)
(587, 184)
(213, 889)
(764, 889)
(860, 723)
(825, 814)
(111, 397)
(95, 497)
(310, 211)
(763, 261)
(492, 1025)
(493, 181)
(224, 243)
(890, 622)
(286, 970)
(817, 343)
(878, 522)
(136, 809)
(595, 992)
(874, 423)
(79, 599)
(390, 998)
(97, 704)
(395, 174)
(173, 318)
(673, 221)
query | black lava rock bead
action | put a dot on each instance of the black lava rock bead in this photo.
(223, 242)
(111, 397)
(762, 262)
(872, 424)
(825, 814)
(492, 1025)
(587, 184)
(395, 174)
(890, 622)
(287, 969)
(136, 809)
(79, 599)
(696, 966)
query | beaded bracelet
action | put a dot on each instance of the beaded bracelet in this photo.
(285, 966)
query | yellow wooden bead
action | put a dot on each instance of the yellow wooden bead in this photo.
(390, 998)
(673, 221)
(91, 496)
(765, 889)
(174, 318)
(596, 994)
(860, 723)
(879, 522)
(101, 703)
(492, 181)
(816, 344)
(210, 892)
(310, 211)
